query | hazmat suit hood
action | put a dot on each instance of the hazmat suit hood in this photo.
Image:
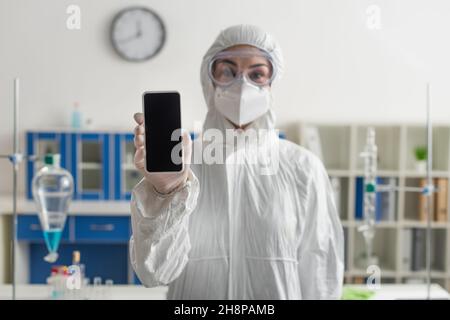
(232, 36)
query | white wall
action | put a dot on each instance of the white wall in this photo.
(337, 69)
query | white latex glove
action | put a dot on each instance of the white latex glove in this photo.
(163, 182)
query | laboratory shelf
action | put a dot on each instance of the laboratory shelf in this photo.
(340, 146)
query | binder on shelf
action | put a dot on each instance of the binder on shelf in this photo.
(389, 200)
(407, 249)
(441, 200)
(359, 198)
(419, 250)
(379, 199)
(345, 251)
(423, 202)
(359, 280)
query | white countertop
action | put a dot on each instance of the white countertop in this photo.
(117, 292)
(405, 291)
(132, 292)
(76, 207)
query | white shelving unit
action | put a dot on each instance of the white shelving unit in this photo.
(341, 145)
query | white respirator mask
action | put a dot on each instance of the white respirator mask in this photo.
(242, 102)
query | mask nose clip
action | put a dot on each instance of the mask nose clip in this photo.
(240, 81)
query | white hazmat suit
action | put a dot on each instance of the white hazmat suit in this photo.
(230, 232)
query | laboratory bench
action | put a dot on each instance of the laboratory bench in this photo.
(134, 292)
(77, 207)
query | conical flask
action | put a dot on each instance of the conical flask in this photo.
(52, 192)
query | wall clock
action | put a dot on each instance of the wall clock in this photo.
(137, 34)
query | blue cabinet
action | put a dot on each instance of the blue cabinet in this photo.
(126, 175)
(40, 143)
(102, 164)
(86, 155)
(29, 229)
(96, 166)
(105, 261)
(102, 241)
(102, 229)
(90, 160)
(89, 228)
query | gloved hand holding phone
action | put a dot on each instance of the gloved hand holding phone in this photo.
(166, 182)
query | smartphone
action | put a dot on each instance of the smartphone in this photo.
(162, 122)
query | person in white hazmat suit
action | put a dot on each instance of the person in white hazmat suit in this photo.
(228, 230)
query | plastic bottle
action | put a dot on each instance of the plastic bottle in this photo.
(51, 281)
(77, 119)
(76, 258)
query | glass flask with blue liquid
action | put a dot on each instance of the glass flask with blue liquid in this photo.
(52, 192)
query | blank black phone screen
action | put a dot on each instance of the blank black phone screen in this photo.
(162, 131)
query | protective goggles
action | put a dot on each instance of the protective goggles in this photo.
(257, 67)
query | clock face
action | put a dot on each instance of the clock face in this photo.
(137, 34)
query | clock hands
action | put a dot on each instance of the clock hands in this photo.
(139, 29)
(137, 35)
(128, 39)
